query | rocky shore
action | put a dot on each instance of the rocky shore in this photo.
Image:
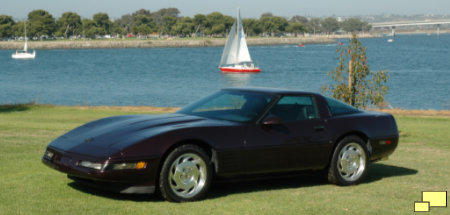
(156, 43)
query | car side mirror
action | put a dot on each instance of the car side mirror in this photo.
(271, 120)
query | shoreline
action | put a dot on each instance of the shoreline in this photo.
(153, 43)
(401, 112)
(169, 43)
(144, 109)
(187, 42)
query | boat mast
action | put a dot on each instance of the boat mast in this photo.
(25, 48)
(238, 34)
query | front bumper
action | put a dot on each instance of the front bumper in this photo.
(122, 181)
(115, 187)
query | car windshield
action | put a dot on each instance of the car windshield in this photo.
(230, 105)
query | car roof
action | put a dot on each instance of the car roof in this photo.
(269, 90)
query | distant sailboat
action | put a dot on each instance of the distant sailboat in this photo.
(23, 54)
(235, 56)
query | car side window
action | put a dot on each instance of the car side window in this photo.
(339, 108)
(295, 108)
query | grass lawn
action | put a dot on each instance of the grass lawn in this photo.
(420, 163)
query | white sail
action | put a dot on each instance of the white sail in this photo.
(229, 54)
(25, 47)
(236, 50)
(243, 54)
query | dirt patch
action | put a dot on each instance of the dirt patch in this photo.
(425, 113)
(402, 112)
(131, 108)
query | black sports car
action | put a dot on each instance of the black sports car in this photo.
(233, 132)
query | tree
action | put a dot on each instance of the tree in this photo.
(296, 28)
(68, 24)
(217, 23)
(217, 29)
(18, 29)
(356, 84)
(214, 18)
(228, 22)
(314, 26)
(158, 15)
(297, 25)
(124, 23)
(252, 26)
(6, 26)
(143, 25)
(267, 14)
(273, 24)
(41, 23)
(167, 23)
(142, 12)
(200, 22)
(300, 19)
(90, 28)
(330, 25)
(103, 23)
(116, 29)
(354, 25)
(184, 26)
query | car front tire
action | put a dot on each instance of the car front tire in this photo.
(186, 174)
(349, 163)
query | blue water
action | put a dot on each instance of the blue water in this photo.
(419, 66)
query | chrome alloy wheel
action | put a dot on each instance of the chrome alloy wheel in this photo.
(187, 175)
(351, 162)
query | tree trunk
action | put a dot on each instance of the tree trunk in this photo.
(350, 68)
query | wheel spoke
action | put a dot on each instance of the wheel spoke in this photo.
(187, 175)
(185, 159)
(351, 162)
(196, 161)
(176, 186)
(196, 174)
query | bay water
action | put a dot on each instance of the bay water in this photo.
(419, 66)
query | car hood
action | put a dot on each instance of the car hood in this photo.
(105, 137)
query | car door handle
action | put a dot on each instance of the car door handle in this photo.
(319, 128)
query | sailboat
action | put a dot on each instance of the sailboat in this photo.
(235, 56)
(24, 54)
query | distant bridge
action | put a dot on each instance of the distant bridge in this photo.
(393, 25)
(409, 23)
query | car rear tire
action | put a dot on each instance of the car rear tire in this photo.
(186, 174)
(349, 163)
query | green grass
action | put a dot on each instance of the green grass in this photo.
(420, 163)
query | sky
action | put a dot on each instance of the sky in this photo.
(19, 9)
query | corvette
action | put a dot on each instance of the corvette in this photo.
(233, 132)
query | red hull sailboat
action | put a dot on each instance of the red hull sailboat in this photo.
(236, 57)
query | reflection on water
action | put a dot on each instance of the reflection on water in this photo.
(237, 79)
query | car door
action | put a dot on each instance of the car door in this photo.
(298, 142)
